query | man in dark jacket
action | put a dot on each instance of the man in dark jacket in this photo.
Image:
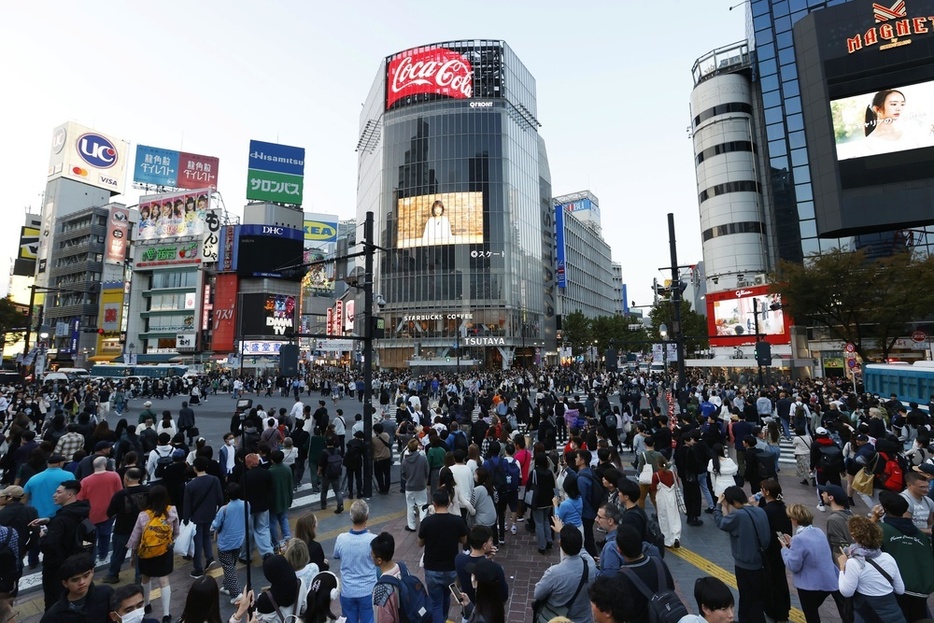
(203, 496)
(257, 490)
(281, 498)
(329, 471)
(82, 601)
(125, 507)
(353, 461)
(14, 514)
(59, 541)
(186, 422)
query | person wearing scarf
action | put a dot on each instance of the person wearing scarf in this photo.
(863, 569)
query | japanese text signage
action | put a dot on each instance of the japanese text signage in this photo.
(276, 173)
(118, 234)
(437, 71)
(175, 169)
(164, 255)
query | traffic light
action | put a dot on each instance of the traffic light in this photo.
(763, 353)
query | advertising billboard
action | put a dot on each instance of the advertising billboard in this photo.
(880, 122)
(118, 235)
(866, 79)
(267, 251)
(224, 315)
(174, 169)
(174, 214)
(440, 219)
(319, 279)
(28, 243)
(169, 254)
(85, 155)
(227, 252)
(730, 318)
(561, 279)
(320, 231)
(111, 318)
(433, 71)
(275, 173)
(266, 314)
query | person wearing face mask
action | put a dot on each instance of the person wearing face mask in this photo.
(82, 601)
(227, 456)
(126, 605)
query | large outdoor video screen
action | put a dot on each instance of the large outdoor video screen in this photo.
(895, 119)
(734, 316)
(440, 219)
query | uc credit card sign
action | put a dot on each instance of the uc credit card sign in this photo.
(276, 173)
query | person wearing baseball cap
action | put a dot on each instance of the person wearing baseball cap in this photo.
(16, 515)
(147, 412)
(86, 466)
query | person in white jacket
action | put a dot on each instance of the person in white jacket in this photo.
(722, 470)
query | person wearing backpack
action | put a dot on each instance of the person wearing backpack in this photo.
(160, 458)
(151, 544)
(592, 496)
(826, 459)
(643, 577)
(330, 468)
(389, 605)
(60, 541)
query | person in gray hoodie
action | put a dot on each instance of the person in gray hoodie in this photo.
(415, 475)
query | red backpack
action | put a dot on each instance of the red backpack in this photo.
(893, 474)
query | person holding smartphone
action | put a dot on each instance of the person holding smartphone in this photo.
(480, 541)
(808, 556)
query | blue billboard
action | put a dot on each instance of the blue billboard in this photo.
(276, 158)
(155, 166)
(272, 230)
(560, 273)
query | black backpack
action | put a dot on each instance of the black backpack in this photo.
(598, 495)
(162, 462)
(831, 458)
(85, 536)
(334, 466)
(460, 441)
(11, 568)
(664, 606)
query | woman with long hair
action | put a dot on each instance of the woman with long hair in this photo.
(306, 528)
(296, 552)
(203, 602)
(488, 601)
(482, 500)
(285, 599)
(777, 597)
(318, 603)
(542, 483)
(722, 470)
(155, 524)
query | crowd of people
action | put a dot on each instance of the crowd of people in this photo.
(585, 460)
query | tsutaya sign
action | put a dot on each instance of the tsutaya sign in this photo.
(893, 24)
(485, 341)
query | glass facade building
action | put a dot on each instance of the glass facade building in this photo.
(457, 178)
(769, 26)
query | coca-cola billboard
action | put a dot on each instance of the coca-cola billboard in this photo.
(437, 71)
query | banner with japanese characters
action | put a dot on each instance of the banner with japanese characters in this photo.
(174, 169)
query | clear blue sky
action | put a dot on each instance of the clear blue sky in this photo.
(613, 84)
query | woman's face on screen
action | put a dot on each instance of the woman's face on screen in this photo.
(892, 108)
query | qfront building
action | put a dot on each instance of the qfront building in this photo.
(454, 170)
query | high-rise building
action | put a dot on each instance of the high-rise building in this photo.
(585, 266)
(453, 168)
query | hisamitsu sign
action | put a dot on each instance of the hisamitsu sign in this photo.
(276, 173)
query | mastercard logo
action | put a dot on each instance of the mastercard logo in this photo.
(79, 171)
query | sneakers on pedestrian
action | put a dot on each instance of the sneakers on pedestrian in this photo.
(514, 530)
(502, 541)
(196, 574)
(520, 518)
(111, 579)
(821, 508)
(236, 599)
(224, 590)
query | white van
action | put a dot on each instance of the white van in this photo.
(75, 374)
(657, 367)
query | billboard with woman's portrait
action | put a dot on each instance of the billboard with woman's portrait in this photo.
(884, 121)
(440, 219)
(179, 214)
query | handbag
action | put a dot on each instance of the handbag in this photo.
(542, 612)
(863, 481)
(530, 490)
(682, 507)
(186, 539)
(645, 476)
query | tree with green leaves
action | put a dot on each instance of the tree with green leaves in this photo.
(869, 302)
(12, 321)
(576, 330)
(693, 325)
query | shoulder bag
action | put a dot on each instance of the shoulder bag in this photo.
(542, 612)
(645, 476)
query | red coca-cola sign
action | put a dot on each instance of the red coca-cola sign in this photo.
(436, 70)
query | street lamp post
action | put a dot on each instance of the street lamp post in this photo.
(663, 332)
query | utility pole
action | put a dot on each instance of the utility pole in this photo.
(676, 327)
(368, 355)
